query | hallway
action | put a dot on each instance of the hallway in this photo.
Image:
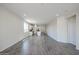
(40, 45)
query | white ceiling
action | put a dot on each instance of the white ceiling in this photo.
(41, 13)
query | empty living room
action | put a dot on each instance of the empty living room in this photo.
(39, 28)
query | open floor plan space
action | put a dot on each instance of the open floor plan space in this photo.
(39, 29)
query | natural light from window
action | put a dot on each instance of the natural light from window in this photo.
(25, 27)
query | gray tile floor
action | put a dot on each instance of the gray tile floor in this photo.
(40, 45)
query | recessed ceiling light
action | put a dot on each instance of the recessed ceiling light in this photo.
(57, 15)
(24, 14)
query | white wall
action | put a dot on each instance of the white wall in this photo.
(77, 31)
(51, 29)
(57, 29)
(62, 29)
(11, 29)
(72, 29)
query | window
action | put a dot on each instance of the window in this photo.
(25, 27)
